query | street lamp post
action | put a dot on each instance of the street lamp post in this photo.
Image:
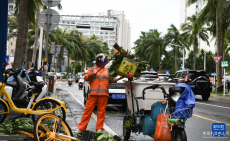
(183, 53)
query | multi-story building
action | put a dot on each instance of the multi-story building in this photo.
(11, 43)
(124, 30)
(194, 9)
(11, 7)
(103, 27)
(111, 27)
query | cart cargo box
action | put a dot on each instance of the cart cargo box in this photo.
(151, 96)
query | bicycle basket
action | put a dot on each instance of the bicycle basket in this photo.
(183, 113)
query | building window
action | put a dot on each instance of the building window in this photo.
(106, 23)
(73, 22)
(92, 28)
(102, 23)
(92, 23)
(112, 23)
(92, 32)
(11, 7)
(11, 53)
(96, 23)
(96, 28)
(96, 32)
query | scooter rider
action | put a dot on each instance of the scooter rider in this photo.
(70, 76)
(98, 94)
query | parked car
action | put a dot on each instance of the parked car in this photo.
(198, 80)
(149, 76)
(164, 77)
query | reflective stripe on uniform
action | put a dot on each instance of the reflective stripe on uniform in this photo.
(108, 74)
(99, 78)
(97, 90)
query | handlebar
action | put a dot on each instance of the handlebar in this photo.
(154, 87)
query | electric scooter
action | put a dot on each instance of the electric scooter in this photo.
(81, 83)
(70, 81)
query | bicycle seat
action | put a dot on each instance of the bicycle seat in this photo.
(145, 111)
(37, 84)
(12, 84)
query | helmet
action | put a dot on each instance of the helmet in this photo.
(101, 58)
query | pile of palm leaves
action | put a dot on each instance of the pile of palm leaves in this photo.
(143, 65)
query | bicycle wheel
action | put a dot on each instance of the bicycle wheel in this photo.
(3, 111)
(46, 126)
(178, 134)
(49, 104)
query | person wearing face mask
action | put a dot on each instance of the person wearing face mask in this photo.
(98, 93)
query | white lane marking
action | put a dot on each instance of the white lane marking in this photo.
(109, 130)
(213, 105)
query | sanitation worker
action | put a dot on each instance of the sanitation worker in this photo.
(98, 93)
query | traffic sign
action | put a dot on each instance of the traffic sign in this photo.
(55, 49)
(167, 72)
(53, 21)
(213, 73)
(216, 59)
(53, 2)
(224, 63)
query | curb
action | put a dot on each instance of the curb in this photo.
(220, 97)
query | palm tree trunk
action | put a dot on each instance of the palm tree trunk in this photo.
(222, 45)
(68, 64)
(36, 35)
(219, 53)
(82, 66)
(74, 73)
(25, 44)
(20, 34)
(159, 58)
(176, 58)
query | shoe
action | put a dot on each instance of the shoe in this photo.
(78, 131)
(99, 131)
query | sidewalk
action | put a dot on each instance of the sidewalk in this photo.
(17, 137)
(221, 96)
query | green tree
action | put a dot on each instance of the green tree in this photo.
(151, 46)
(174, 37)
(215, 14)
(192, 31)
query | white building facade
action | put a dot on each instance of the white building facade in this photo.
(111, 28)
(11, 43)
(194, 9)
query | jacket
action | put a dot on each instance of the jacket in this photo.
(99, 85)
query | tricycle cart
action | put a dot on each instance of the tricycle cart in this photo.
(166, 116)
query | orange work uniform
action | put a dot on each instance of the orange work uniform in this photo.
(98, 94)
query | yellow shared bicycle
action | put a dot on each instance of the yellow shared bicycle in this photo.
(43, 106)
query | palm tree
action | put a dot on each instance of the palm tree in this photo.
(59, 37)
(174, 37)
(216, 13)
(192, 32)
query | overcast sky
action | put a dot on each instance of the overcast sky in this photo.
(142, 14)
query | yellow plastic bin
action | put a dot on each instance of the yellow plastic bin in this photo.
(126, 67)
